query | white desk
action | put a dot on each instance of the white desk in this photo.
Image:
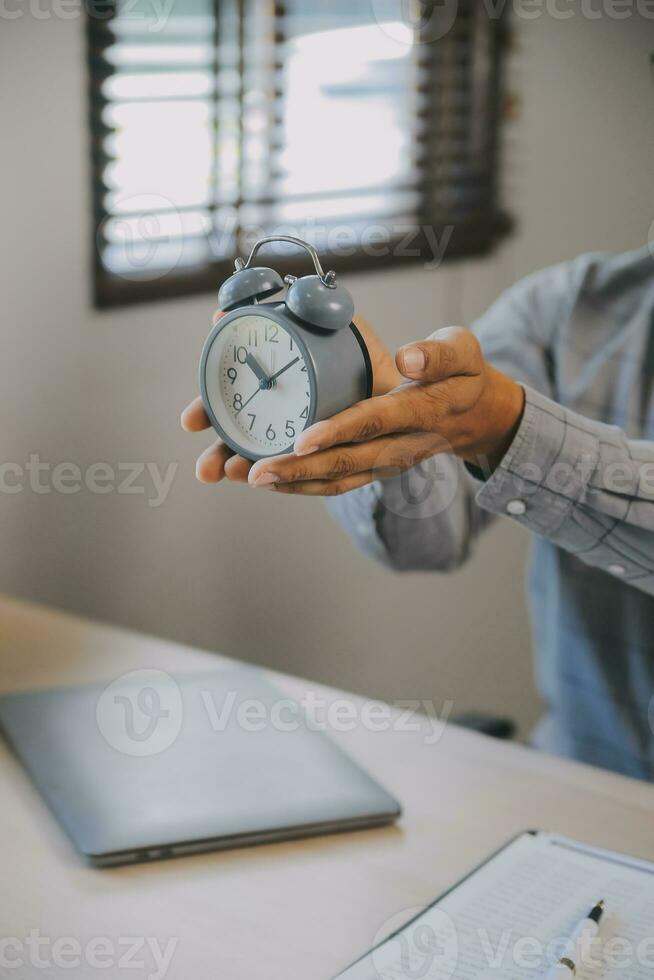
(294, 911)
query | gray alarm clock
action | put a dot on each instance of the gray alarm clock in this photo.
(269, 370)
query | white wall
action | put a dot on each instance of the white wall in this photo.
(78, 385)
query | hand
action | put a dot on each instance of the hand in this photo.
(454, 402)
(218, 461)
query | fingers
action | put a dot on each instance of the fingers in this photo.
(383, 457)
(237, 469)
(194, 418)
(446, 353)
(210, 467)
(326, 488)
(406, 409)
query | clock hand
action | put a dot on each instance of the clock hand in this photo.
(265, 381)
(249, 399)
(254, 365)
(285, 368)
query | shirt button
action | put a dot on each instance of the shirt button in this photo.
(617, 569)
(516, 508)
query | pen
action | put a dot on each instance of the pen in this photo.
(583, 934)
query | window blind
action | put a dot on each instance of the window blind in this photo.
(370, 130)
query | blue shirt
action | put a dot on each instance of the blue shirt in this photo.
(579, 475)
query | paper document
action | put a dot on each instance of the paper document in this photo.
(512, 917)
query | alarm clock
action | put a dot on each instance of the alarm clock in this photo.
(271, 369)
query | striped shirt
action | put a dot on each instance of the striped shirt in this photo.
(579, 475)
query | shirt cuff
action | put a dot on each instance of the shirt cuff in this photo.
(546, 468)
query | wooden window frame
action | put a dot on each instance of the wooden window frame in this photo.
(475, 235)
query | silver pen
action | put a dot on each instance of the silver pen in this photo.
(579, 940)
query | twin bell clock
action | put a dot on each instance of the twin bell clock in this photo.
(271, 369)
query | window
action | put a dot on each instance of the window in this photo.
(348, 124)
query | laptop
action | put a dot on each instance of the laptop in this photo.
(154, 765)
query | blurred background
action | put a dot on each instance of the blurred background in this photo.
(145, 144)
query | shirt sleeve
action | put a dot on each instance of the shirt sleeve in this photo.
(583, 485)
(425, 519)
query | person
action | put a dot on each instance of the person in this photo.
(542, 413)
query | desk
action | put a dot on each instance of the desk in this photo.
(297, 911)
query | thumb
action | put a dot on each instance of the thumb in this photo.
(446, 353)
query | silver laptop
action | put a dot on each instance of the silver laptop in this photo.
(153, 765)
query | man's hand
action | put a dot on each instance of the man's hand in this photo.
(440, 396)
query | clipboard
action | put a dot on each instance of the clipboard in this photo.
(528, 894)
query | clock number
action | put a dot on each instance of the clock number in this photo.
(253, 334)
(291, 342)
(232, 375)
(271, 333)
(271, 435)
(240, 354)
(303, 368)
(304, 414)
(290, 428)
(238, 402)
(254, 418)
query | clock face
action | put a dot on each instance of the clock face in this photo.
(257, 383)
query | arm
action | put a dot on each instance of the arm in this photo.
(583, 485)
(578, 482)
(471, 406)
(430, 521)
